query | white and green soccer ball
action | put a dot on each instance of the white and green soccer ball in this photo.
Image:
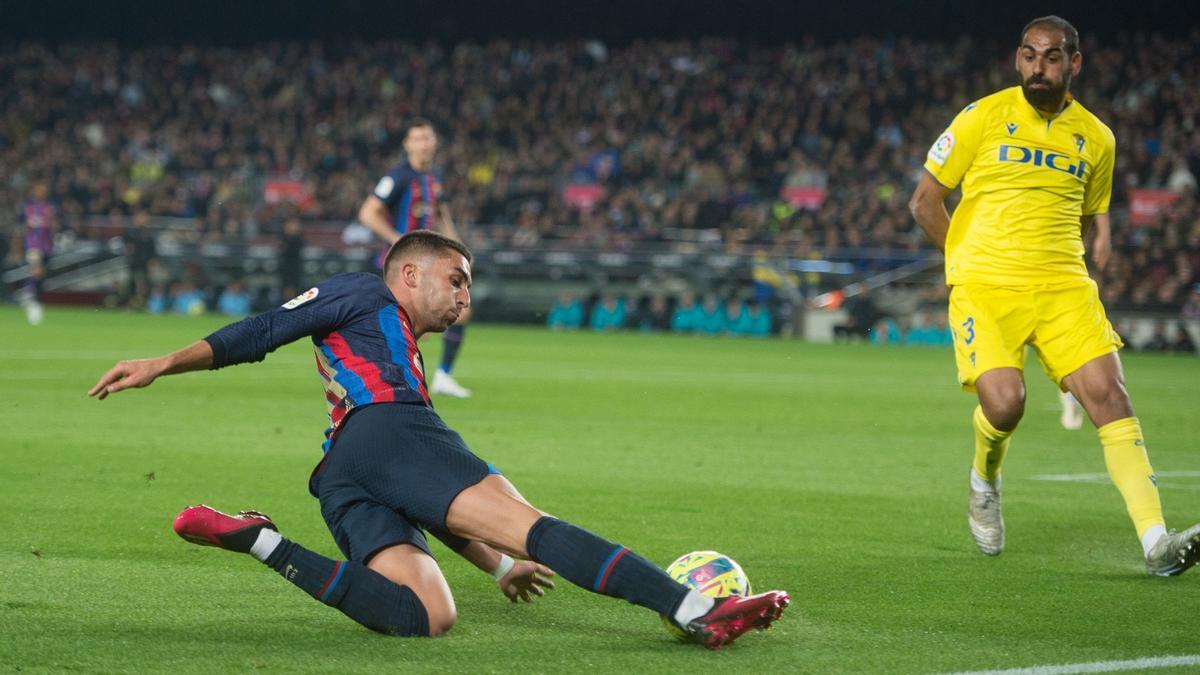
(711, 573)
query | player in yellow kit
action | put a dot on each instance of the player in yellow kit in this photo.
(1036, 169)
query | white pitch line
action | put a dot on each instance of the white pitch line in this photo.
(1086, 477)
(1072, 477)
(1097, 666)
(1103, 479)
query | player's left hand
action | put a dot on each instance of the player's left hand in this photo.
(1101, 249)
(525, 580)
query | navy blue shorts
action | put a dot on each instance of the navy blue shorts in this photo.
(392, 471)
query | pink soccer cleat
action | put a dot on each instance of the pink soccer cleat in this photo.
(207, 526)
(733, 616)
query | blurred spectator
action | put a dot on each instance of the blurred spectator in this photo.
(712, 319)
(608, 314)
(1181, 179)
(159, 300)
(1191, 307)
(688, 314)
(761, 321)
(861, 316)
(566, 314)
(187, 299)
(1159, 341)
(234, 300)
(1169, 338)
(291, 258)
(140, 251)
(929, 332)
(1182, 343)
(886, 332)
(655, 315)
(737, 317)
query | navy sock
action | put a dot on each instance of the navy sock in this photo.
(360, 593)
(590, 562)
(451, 342)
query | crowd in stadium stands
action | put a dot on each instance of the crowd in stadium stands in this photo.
(807, 150)
(685, 314)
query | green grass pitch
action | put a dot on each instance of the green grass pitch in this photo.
(837, 473)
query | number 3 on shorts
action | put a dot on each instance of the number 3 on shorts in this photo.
(969, 324)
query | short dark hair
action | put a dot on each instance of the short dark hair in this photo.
(416, 122)
(422, 241)
(1070, 35)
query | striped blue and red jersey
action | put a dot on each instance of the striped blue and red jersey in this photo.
(411, 196)
(363, 342)
(40, 218)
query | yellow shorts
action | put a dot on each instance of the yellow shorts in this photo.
(1065, 324)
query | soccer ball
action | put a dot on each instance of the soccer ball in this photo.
(711, 573)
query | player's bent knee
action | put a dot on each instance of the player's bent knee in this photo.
(441, 623)
(1002, 397)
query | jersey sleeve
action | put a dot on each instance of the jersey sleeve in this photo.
(391, 186)
(318, 310)
(954, 151)
(1098, 192)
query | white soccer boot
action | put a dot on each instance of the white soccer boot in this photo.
(34, 313)
(1072, 412)
(445, 385)
(1174, 553)
(986, 521)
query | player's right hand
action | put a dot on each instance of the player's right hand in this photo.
(124, 375)
(526, 580)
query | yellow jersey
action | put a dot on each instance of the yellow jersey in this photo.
(1026, 181)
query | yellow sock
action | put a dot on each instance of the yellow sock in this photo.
(1130, 470)
(991, 445)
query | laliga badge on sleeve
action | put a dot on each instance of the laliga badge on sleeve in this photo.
(302, 298)
(384, 188)
(941, 149)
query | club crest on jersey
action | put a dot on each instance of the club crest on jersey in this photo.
(302, 298)
(1079, 141)
(1012, 128)
(941, 149)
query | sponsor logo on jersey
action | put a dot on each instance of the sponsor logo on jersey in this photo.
(302, 298)
(941, 148)
(1079, 141)
(1012, 128)
(1042, 158)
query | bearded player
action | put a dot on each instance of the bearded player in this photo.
(1036, 168)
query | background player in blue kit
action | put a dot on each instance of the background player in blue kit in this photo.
(408, 198)
(392, 469)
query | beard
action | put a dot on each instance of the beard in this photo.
(1048, 97)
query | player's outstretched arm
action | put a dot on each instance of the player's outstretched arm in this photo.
(519, 580)
(141, 372)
